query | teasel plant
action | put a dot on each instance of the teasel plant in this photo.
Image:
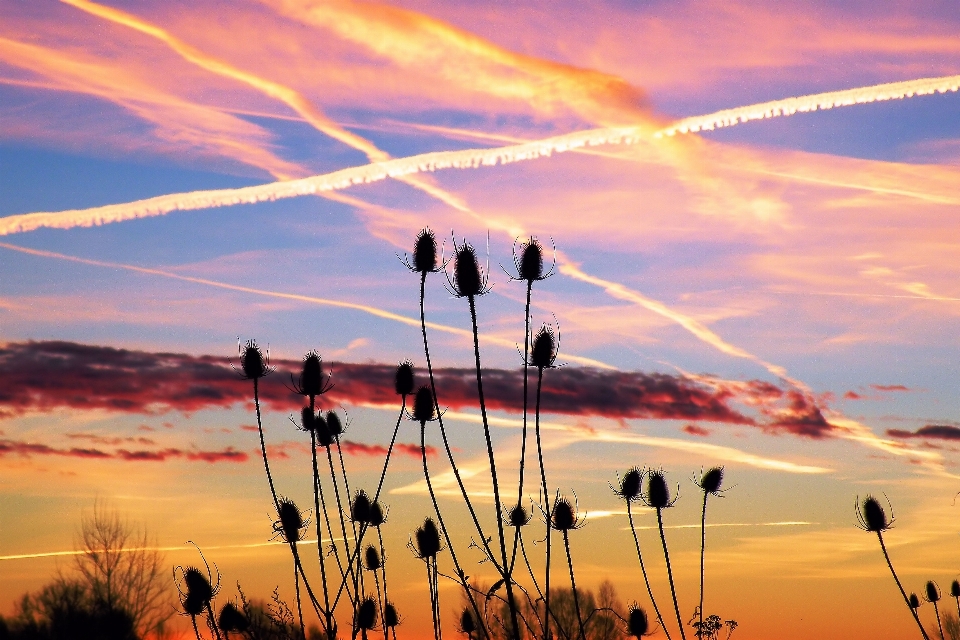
(629, 490)
(254, 365)
(365, 618)
(709, 483)
(955, 594)
(197, 590)
(933, 597)
(872, 518)
(391, 620)
(657, 497)
(638, 626)
(232, 620)
(425, 545)
(565, 518)
(289, 527)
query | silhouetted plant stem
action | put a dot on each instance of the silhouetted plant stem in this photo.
(643, 570)
(673, 589)
(263, 446)
(393, 440)
(957, 598)
(380, 602)
(343, 529)
(903, 593)
(573, 584)
(703, 545)
(936, 610)
(193, 619)
(316, 505)
(508, 580)
(547, 510)
(296, 582)
(213, 622)
(355, 559)
(433, 602)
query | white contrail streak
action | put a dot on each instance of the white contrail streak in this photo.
(815, 102)
(57, 554)
(466, 159)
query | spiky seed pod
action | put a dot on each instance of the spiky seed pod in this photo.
(198, 585)
(425, 252)
(914, 601)
(637, 623)
(530, 265)
(564, 516)
(367, 614)
(428, 539)
(955, 589)
(518, 516)
(544, 351)
(630, 485)
(308, 420)
(377, 515)
(711, 480)
(467, 276)
(253, 362)
(291, 522)
(390, 616)
(232, 619)
(933, 591)
(467, 623)
(658, 493)
(360, 509)
(424, 408)
(872, 516)
(403, 380)
(371, 558)
(193, 605)
(311, 376)
(334, 425)
(324, 437)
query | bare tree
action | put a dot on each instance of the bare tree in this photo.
(123, 570)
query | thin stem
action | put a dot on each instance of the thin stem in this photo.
(319, 525)
(958, 607)
(573, 583)
(380, 601)
(296, 581)
(498, 505)
(263, 446)
(433, 601)
(343, 528)
(903, 593)
(936, 610)
(546, 499)
(383, 567)
(703, 543)
(666, 557)
(358, 575)
(643, 570)
(386, 462)
(213, 623)
(195, 629)
(526, 357)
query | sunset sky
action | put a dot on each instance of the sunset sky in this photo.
(780, 297)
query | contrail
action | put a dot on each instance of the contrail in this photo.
(374, 311)
(815, 102)
(57, 554)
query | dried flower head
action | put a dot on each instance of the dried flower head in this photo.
(518, 516)
(871, 516)
(467, 623)
(192, 604)
(529, 263)
(543, 353)
(427, 539)
(914, 601)
(366, 614)
(195, 587)
(334, 425)
(371, 558)
(564, 516)
(378, 515)
(403, 380)
(933, 591)
(312, 380)
(360, 508)
(955, 589)
(232, 619)
(424, 258)
(711, 480)
(290, 525)
(198, 584)
(424, 407)
(308, 420)
(468, 279)
(253, 363)
(637, 623)
(658, 492)
(391, 618)
(630, 485)
(324, 437)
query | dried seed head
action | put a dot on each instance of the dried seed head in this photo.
(658, 493)
(544, 351)
(198, 586)
(914, 601)
(390, 616)
(424, 409)
(518, 516)
(564, 516)
(468, 279)
(232, 619)
(630, 485)
(530, 265)
(311, 377)
(427, 539)
(425, 252)
(324, 437)
(467, 623)
(360, 509)
(334, 425)
(637, 623)
(253, 362)
(291, 522)
(955, 589)
(711, 480)
(933, 591)
(371, 558)
(872, 516)
(403, 380)
(377, 515)
(308, 419)
(193, 605)
(367, 613)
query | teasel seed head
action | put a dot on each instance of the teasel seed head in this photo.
(518, 516)
(467, 624)
(710, 481)
(403, 380)
(308, 420)
(424, 408)
(334, 425)
(630, 485)
(658, 492)
(253, 363)
(871, 516)
(367, 614)
(424, 252)
(933, 591)
(311, 375)
(198, 586)
(391, 618)
(371, 558)
(468, 278)
(324, 437)
(914, 601)
(290, 524)
(427, 539)
(564, 516)
(543, 353)
(637, 623)
(378, 515)
(530, 264)
(955, 589)
(360, 509)
(193, 605)
(232, 619)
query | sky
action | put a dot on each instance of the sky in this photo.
(769, 288)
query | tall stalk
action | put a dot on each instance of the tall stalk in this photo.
(573, 583)
(666, 557)
(903, 593)
(643, 570)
